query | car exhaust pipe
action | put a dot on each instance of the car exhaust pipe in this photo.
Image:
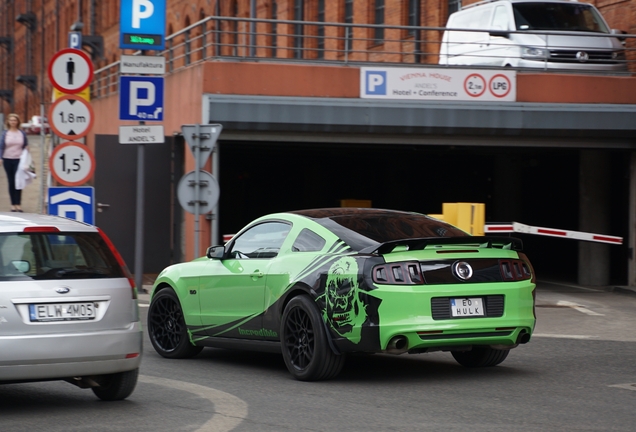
(398, 345)
(523, 337)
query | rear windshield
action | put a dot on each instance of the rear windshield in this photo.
(558, 17)
(361, 231)
(38, 256)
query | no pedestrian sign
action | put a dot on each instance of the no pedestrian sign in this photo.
(70, 70)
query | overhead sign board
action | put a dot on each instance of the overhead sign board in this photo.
(71, 117)
(141, 98)
(142, 24)
(441, 84)
(70, 70)
(141, 134)
(149, 65)
(207, 139)
(72, 202)
(72, 164)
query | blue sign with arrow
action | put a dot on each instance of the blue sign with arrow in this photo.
(73, 202)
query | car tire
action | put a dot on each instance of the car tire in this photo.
(304, 343)
(167, 328)
(480, 356)
(116, 386)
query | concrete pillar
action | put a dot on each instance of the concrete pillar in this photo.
(594, 203)
(631, 264)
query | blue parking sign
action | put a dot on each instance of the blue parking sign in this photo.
(142, 24)
(73, 202)
(141, 98)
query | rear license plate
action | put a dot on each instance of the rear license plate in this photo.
(62, 312)
(467, 307)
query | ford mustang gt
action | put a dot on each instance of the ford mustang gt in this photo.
(318, 284)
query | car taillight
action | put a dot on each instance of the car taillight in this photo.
(514, 270)
(401, 273)
(121, 262)
(41, 229)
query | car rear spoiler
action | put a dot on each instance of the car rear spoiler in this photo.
(421, 243)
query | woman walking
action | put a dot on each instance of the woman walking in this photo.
(12, 142)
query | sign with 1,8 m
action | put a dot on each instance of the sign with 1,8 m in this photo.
(142, 24)
(141, 98)
(72, 164)
(71, 117)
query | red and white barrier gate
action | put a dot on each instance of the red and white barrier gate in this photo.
(551, 232)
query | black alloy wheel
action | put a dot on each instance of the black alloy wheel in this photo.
(306, 351)
(167, 328)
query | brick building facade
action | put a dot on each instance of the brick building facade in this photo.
(31, 31)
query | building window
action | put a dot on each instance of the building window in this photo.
(378, 32)
(348, 19)
(321, 29)
(454, 6)
(274, 27)
(299, 15)
(413, 16)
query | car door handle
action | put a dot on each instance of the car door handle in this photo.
(257, 274)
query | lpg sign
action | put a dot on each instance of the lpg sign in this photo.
(143, 24)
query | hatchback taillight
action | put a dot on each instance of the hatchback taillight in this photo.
(121, 262)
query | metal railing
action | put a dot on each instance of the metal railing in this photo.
(249, 39)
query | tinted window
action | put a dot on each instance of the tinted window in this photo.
(56, 256)
(261, 241)
(370, 228)
(308, 241)
(558, 16)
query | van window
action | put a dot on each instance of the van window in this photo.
(500, 18)
(558, 16)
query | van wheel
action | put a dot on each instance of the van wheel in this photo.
(306, 351)
(480, 356)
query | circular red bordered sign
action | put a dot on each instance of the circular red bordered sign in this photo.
(70, 70)
(474, 85)
(71, 117)
(503, 86)
(72, 164)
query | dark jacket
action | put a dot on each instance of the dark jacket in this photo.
(4, 133)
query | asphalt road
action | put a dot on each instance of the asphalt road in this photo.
(578, 373)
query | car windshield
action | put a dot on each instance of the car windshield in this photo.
(40, 256)
(558, 17)
(370, 228)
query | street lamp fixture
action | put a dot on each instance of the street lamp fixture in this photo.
(27, 19)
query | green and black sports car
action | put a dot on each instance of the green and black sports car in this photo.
(318, 284)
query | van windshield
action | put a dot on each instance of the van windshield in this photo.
(558, 17)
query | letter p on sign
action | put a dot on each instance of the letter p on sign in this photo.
(141, 9)
(376, 82)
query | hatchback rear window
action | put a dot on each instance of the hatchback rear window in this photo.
(49, 256)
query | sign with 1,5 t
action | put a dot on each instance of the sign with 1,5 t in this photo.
(72, 164)
(71, 117)
(142, 24)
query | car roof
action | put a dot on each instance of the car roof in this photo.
(16, 222)
(481, 3)
(348, 211)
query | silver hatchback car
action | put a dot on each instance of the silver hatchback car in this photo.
(68, 306)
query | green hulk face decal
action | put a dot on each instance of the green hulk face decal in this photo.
(345, 312)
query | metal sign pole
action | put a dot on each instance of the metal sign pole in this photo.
(139, 219)
(197, 187)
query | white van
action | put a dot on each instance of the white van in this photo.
(547, 34)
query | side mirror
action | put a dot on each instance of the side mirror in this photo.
(619, 32)
(215, 252)
(21, 266)
(499, 33)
